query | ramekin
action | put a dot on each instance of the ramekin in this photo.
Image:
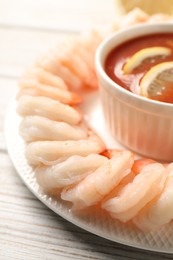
(142, 125)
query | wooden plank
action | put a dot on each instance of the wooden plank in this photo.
(74, 15)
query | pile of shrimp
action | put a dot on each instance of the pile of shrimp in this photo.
(71, 160)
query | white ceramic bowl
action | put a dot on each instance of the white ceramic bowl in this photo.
(142, 125)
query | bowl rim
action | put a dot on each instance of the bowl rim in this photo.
(161, 26)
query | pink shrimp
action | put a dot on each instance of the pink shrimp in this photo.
(77, 70)
(49, 152)
(160, 211)
(68, 172)
(37, 128)
(76, 64)
(140, 163)
(78, 46)
(49, 108)
(158, 18)
(145, 187)
(36, 74)
(33, 88)
(49, 63)
(101, 182)
(135, 16)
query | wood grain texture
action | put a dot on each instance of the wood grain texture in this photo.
(53, 14)
(28, 229)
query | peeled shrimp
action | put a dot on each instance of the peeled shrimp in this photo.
(140, 164)
(160, 212)
(134, 196)
(37, 128)
(98, 184)
(49, 63)
(44, 77)
(159, 18)
(49, 108)
(33, 88)
(76, 64)
(76, 70)
(69, 171)
(134, 17)
(48, 152)
(90, 39)
(78, 46)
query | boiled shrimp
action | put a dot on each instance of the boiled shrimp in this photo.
(75, 64)
(101, 182)
(134, 17)
(68, 172)
(37, 128)
(49, 108)
(49, 63)
(145, 187)
(160, 211)
(139, 164)
(42, 76)
(48, 152)
(77, 70)
(159, 18)
(77, 46)
(33, 88)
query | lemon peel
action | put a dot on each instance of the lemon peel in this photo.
(143, 54)
(151, 76)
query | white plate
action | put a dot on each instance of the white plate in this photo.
(95, 221)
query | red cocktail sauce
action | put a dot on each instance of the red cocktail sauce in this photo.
(118, 57)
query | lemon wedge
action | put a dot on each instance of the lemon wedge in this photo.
(143, 54)
(148, 6)
(158, 81)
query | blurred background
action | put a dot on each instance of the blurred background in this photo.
(30, 27)
(65, 14)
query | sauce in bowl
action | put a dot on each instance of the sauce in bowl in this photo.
(144, 66)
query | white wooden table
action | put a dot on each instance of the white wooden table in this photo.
(28, 229)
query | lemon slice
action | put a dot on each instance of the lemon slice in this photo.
(143, 54)
(148, 6)
(158, 81)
